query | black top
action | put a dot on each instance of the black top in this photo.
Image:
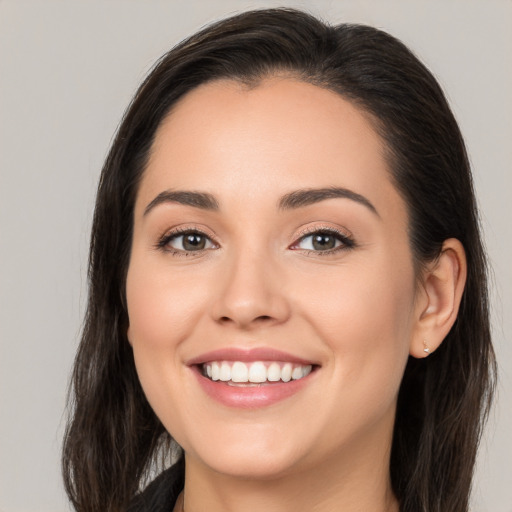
(161, 494)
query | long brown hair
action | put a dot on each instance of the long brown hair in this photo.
(113, 436)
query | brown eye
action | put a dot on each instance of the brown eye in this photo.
(193, 242)
(324, 241)
(190, 241)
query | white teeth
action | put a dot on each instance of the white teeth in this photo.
(274, 373)
(239, 372)
(286, 373)
(215, 371)
(256, 372)
(225, 372)
(297, 373)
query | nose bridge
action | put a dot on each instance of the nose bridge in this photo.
(252, 291)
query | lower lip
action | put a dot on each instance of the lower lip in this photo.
(250, 397)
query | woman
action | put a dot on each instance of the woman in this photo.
(287, 284)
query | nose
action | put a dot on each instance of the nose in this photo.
(252, 293)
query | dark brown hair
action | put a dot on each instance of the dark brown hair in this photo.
(113, 436)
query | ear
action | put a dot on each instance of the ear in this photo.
(439, 298)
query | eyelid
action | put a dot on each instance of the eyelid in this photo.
(176, 232)
(344, 236)
(325, 228)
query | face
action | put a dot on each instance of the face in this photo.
(270, 288)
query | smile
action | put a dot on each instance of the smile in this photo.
(258, 372)
(252, 379)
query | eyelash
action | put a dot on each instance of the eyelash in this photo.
(162, 244)
(346, 241)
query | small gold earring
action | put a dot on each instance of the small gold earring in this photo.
(426, 349)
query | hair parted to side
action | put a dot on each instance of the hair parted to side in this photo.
(113, 436)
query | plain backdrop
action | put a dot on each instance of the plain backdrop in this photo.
(67, 71)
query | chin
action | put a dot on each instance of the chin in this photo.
(255, 455)
(250, 466)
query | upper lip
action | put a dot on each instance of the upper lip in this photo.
(247, 355)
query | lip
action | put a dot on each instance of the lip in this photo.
(247, 356)
(250, 397)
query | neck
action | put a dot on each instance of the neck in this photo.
(347, 482)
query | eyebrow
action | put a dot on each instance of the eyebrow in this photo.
(201, 200)
(301, 198)
(291, 201)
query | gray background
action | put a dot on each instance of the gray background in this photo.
(67, 71)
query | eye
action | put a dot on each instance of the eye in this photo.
(186, 241)
(324, 240)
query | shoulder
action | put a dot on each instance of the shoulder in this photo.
(161, 494)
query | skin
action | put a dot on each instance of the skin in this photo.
(356, 313)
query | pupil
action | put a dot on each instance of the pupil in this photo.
(323, 242)
(193, 242)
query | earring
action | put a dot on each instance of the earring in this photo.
(426, 348)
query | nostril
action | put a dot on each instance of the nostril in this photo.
(259, 318)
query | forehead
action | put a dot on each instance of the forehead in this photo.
(280, 135)
(282, 107)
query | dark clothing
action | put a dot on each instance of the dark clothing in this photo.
(161, 494)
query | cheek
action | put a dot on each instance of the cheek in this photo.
(364, 314)
(163, 306)
(370, 303)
